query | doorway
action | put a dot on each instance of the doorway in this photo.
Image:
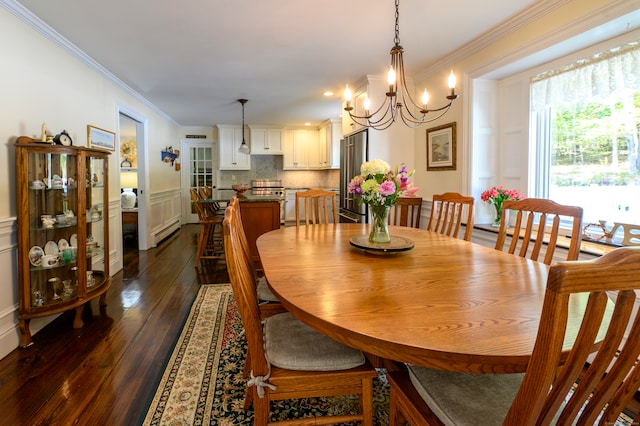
(199, 169)
(132, 166)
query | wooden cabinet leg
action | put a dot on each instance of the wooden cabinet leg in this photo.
(25, 333)
(77, 321)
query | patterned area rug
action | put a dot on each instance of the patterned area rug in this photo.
(203, 383)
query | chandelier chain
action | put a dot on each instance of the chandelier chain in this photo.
(396, 39)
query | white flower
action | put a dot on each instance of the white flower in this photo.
(375, 167)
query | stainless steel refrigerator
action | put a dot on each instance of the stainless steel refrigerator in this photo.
(354, 151)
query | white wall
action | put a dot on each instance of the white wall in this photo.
(40, 81)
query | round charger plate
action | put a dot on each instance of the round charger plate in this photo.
(396, 245)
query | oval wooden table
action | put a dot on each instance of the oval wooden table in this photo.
(447, 303)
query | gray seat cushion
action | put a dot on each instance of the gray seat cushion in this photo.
(264, 292)
(460, 399)
(291, 344)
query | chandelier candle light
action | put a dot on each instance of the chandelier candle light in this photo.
(379, 187)
(398, 99)
(496, 196)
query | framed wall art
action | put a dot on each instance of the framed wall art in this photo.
(100, 138)
(441, 147)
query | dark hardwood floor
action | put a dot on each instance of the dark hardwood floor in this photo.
(106, 372)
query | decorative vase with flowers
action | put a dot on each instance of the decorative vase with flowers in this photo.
(378, 186)
(496, 196)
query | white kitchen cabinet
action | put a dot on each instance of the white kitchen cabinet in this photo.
(266, 141)
(229, 140)
(301, 150)
(329, 143)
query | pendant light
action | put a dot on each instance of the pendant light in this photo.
(244, 148)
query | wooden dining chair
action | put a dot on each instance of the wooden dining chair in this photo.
(290, 360)
(210, 236)
(448, 212)
(318, 206)
(538, 222)
(406, 212)
(546, 395)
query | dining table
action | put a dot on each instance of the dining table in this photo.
(436, 301)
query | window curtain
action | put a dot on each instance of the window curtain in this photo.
(602, 75)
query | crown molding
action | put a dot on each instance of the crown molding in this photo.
(40, 26)
(599, 16)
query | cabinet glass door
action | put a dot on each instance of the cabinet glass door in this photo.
(53, 209)
(95, 231)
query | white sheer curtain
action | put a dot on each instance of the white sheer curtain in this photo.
(600, 76)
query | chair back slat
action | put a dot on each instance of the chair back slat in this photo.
(315, 204)
(537, 228)
(447, 214)
(406, 212)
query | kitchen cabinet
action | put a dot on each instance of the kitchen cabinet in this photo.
(266, 141)
(259, 217)
(301, 151)
(229, 140)
(330, 134)
(63, 230)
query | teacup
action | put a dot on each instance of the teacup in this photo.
(48, 222)
(49, 260)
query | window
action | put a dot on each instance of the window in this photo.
(586, 125)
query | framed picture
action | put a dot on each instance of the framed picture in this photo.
(100, 138)
(441, 147)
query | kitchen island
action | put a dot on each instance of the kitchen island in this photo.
(260, 214)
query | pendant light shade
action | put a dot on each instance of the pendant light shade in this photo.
(244, 148)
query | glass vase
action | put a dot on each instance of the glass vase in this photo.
(496, 221)
(379, 224)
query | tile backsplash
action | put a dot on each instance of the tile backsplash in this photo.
(270, 167)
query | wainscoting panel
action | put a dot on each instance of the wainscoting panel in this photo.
(165, 214)
(9, 334)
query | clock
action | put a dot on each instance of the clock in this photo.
(63, 138)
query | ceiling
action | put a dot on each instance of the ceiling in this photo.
(194, 59)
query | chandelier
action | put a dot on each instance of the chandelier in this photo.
(244, 148)
(398, 102)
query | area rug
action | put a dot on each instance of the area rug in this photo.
(203, 384)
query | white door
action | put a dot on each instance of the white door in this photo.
(199, 169)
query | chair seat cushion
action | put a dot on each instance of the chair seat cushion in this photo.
(466, 399)
(291, 344)
(264, 292)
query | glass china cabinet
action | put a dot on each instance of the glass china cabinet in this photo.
(63, 229)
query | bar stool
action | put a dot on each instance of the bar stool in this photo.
(210, 238)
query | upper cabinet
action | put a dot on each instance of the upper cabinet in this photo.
(266, 141)
(329, 144)
(229, 140)
(301, 150)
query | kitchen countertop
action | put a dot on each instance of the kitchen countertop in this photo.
(224, 196)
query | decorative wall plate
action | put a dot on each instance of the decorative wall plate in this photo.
(73, 240)
(35, 255)
(51, 248)
(63, 244)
